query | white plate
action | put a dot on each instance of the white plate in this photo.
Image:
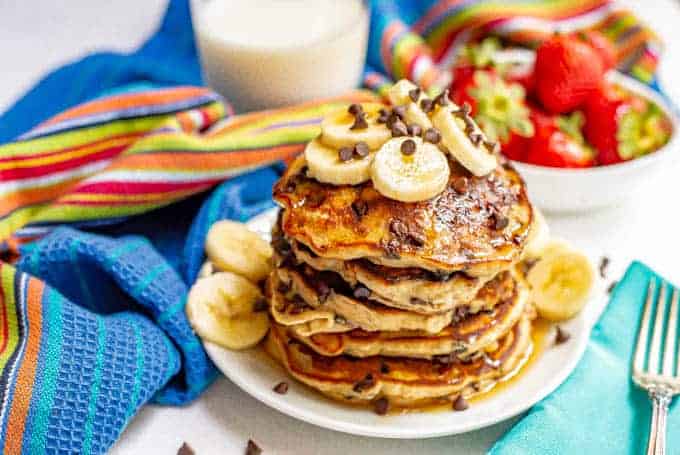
(255, 373)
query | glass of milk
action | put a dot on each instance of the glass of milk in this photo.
(261, 54)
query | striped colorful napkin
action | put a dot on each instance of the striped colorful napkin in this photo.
(103, 210)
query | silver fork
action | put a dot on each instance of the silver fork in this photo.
(661, 385)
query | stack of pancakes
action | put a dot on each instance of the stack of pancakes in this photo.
(400, 304)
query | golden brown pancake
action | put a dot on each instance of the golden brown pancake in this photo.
(402, 381)
(480, 229)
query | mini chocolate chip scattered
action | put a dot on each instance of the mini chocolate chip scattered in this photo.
(391, 120)
(469, 125)
(561, 336)
(359, 122)
(604, 263)
(399, 129)
(442, 99)
(281, 388)
(500, 221)
(476, 139)
(398, 228)
(432, 135)
(260, 305)
(492, 147)
(460, 185)
(384, 368)
(361, 149)
(185, 449)
(381, 406)
(460, 404)
(611, 287)
(466, 108)
(414, 94)
(426, 105)
(252, 448)
(408, 147)
(346, 153)
(361, 292)
(414, 130)
(360, 207)
(365, 383)
(355, 108)
(382, 118)
(399, 111)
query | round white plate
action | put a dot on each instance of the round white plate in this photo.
(255, 373)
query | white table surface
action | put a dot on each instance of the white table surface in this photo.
(224, 418)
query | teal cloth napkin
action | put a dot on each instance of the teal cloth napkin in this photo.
(598, 410)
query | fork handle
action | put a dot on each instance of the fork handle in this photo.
(657, 433)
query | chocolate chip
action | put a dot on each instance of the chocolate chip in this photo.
(355, 108)
(466, 108)
(185, 449)
(398, 228)
(408, 147)
(414, 130)
(417, 301)
(461, 312)
(492, 147)
(382, 118)
(442, 99)
(500, 221)
(281, 388)
(399, 111)
(432, 135)
(611, 287)
(460, 185)
(252, 448)
(604, 263)
(561, 336)
(260, 305)
(384, 368)
(322, 290)
(414, 94)
(381, 406)
(416, 238)
(469, 125)
(399, 129)
(426, 105)
(527, 265)
(361, 149)
(460, 404)
(359, 122)
(365, 383)
(346, 153)
(361, 292)
(360, 207)
(476, 139)
(391, 120)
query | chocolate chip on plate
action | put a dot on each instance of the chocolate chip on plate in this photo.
(408, 147)
(346, 153)
(185, 449)
(361, 149)
(381, 406)
(460, 404)
(561, 336)
(252, 448)
(281, 388)
(432, 135)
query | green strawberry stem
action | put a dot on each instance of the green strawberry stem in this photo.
(641, 132)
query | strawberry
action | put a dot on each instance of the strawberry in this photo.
(558, 142)
(567, 71)
(600, 44)
(623, 126)
(499, 108)
(471, 57)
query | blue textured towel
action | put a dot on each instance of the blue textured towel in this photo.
(598, 410)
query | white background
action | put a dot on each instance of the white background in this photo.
(37, 35)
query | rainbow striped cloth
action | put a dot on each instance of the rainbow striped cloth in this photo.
(103, 210)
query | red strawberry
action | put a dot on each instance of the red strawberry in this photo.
(567, 71)
(601, 44)
(558, 142)
(621, 126)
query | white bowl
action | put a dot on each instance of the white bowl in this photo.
(560, 190)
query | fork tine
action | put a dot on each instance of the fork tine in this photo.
(643, 331)
(657, 332)
(671, 327)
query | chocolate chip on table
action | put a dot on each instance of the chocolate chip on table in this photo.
(360, 122)
(604, 263)
(252, 448)
(281, 388)
(361, 149)
(185, 449)
(460, 404)
(460, 185)
(346, 153)
(355, 108)
(414, 94)
(611, 287)
(366, 383)
(361, 292)
(414, 130)
(399, 129)
(360, 207)
(561, 336)
(381, 406)
(432, 135)
(260, 305)
(426, 105)
(408, 147)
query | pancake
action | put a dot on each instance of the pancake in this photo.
(467, 337)
(402, 381)
(480, 230)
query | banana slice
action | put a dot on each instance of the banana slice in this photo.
(561, 281)
(324, 164)
(206, 270)
(409, 178)
(475, 158)
(336, 132)
(399, 93)
(221, 309)
(232, 247)
(538, 237)
(415, 115)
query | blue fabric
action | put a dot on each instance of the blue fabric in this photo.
(598, 410)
